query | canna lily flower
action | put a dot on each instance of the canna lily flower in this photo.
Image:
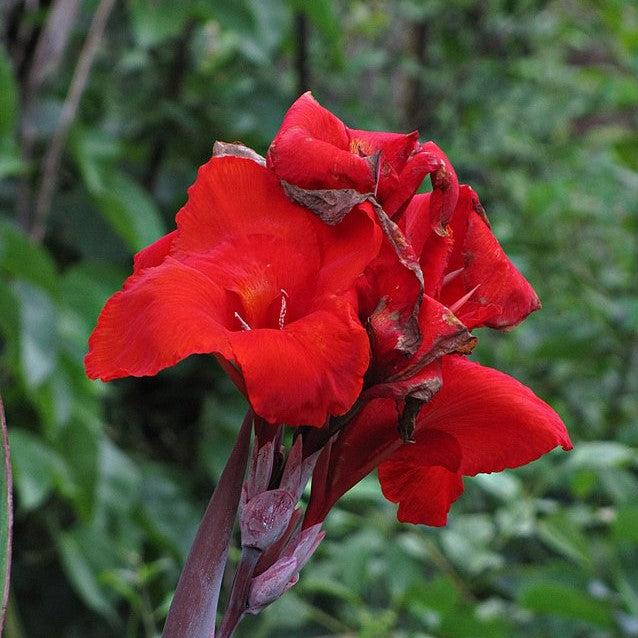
(315, 150)
(255, 280)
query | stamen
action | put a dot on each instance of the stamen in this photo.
(244, 325)
(456, 305)
(282, 310)
(451, 276)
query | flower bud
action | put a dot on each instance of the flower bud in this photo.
(265, 518)
(272, 584)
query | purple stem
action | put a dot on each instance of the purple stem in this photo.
(194, 607)
(238, 602)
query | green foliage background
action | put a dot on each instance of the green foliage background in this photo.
(535, 102)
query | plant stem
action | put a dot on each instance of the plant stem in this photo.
(238, 602)
(194, 607)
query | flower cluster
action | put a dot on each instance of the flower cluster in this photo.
(335, 297)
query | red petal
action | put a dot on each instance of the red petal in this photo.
(234, 196)
(312, 368)
(498, 422)
(312, 150)
(269, 277)
(161, 316)
(442, 334)
(154, 254)
(409, 179)
(423, 478)
(301, 159)
(445, 186)
(320, 123)
(395, 148)
(347, 249)
(503, 297)
(430, 240)
(366, 441)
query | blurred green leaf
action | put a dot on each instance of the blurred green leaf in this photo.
(38, 338)
(80, 442)
(155, 21)
(600, 454)
(130, 211)
(626, 524)
(561, 534)
(21, 258)
(84, 553)
(37, 468)
(560, 600)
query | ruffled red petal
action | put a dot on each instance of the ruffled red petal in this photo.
(300, 159)
(429, 239)
(498, 422)
(445, 186)
(419, 164)
(233, 197)
(312, 368)
(154, 254)
(161, 316)
(251, 277)
(423, 478)
(319, 122)
(502, 297)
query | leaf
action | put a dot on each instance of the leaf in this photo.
(37, 469)
(85, 554)
(130, 211)
(599, 455)
(79, 443)
(6, 519)
(561, 600)
(563, 536)
(38, 339)
(155, 21)
(503, 485)
(25, 260)
(625, 526)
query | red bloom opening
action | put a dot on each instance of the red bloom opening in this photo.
(256, 280)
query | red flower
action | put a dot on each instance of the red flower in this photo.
(259, 282)
(481, 420)
(315, 150)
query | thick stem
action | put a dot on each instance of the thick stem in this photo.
(238, 602)
(194, 607)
